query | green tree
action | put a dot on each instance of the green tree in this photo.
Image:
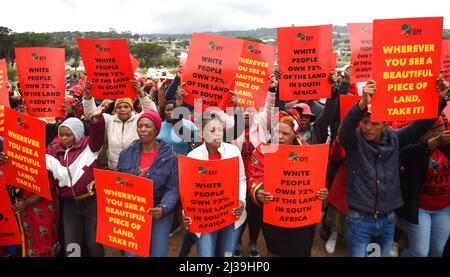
(148, 54)
(251, 39)
(31, 39)
(6, 47)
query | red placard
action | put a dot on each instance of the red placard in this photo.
(25, 147)
(304, 55)
(134, 63)
(293, 175)
(254, 69)
(361, 47)
(346, 102)
(445, 62)
(406, 61)
(333, 60)
(210, 70)
(209, 192)
(9, 230)
(108, 67)
(122, 204)
(42, 80)
(4, 94)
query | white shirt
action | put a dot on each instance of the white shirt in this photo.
(226, 151)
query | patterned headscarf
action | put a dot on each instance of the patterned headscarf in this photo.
(291, 117)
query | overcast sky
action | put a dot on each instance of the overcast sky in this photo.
(187, 16)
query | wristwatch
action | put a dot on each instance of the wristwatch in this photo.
(163, 208)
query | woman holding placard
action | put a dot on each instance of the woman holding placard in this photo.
(221, 243)
(288, 242)
(154, 159)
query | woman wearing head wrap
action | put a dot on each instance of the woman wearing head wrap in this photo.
(154, 159)
(289, 242)
(222, 242)
(71, 163)
(120, 127)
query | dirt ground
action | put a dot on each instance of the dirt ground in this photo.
(317, 251)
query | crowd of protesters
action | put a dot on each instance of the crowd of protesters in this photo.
(382, 176)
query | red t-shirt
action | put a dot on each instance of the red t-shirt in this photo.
(147, 161)
(215, 156)
(247, 150)
(434, 193)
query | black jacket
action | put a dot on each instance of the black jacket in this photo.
(414, 159)
(373, 167)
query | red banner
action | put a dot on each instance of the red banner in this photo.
(9, 230)
(334, 57)
(445, 61)
(42, 80)
(134, 63)
(25, 147)
(346, 102)
(361, 47)
(210, 70)
(305, 62)
(254, 69)
(294, 175)
(122, 204)
(406, 62)
(4, 93)
(108, 67)
(209, 192)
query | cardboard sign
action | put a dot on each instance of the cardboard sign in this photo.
(134, 63)
(108, 67)
(42, 80)
(406, 62)
(122, 204)
(361, 47)
(210, 70)
(445, 61)
(346, 102)
(25, 147)
(9, 230)
(305, 62)
(254, 69)
(294, 175)
(209, 192)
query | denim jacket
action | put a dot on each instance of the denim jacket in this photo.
(163, 172)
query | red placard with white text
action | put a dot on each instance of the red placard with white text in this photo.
(445, 61)
(361, 47)
(305, 61)
(210, 70)
(209, 192)
(25, 147)
(406, 62)
(122, 204)
(293, 175)
(42, 79)
(254, 69)
(9, 230)
(108, 66)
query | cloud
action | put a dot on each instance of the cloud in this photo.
(178, 16)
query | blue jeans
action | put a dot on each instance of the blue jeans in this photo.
(160, 237)
(428, 238)
(218, 243)
(362, 230)
(188, 241)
